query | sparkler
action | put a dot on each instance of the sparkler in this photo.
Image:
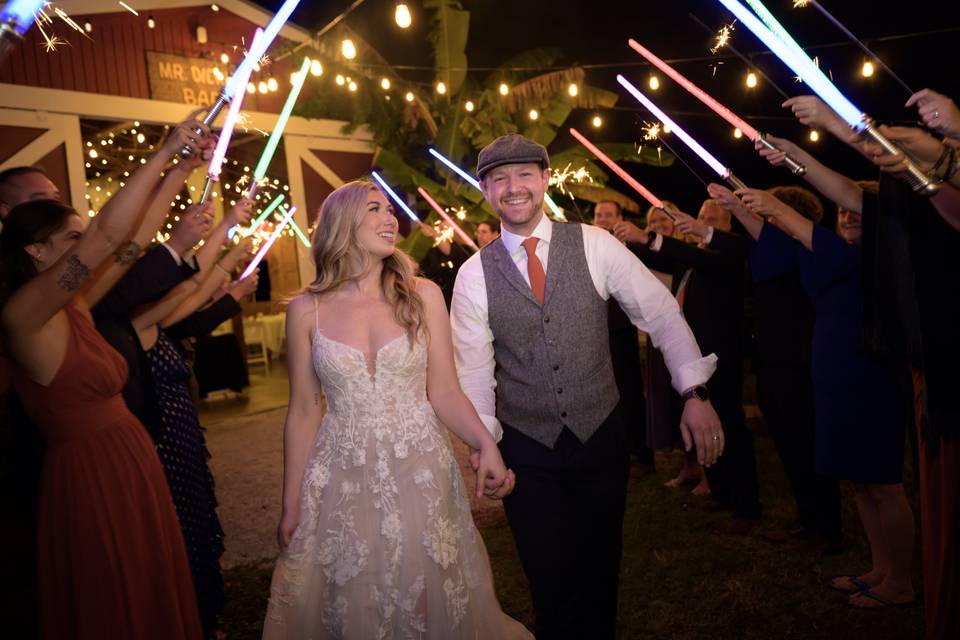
(216, 162)
(839, 25)
(15, 19)
(723, 37)
(557, 211)
(256, 224)
(446, 218)
(393, 196)
(617, 169)
(269, 243)
(790, 53)
(268, 151)
(725, 113)
(705, 155)
(560, 178)
(256, 52)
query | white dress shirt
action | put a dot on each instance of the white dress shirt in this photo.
(615, 271)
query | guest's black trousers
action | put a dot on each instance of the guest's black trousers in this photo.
(566, 515)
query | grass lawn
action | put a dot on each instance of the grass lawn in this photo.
(680, 579)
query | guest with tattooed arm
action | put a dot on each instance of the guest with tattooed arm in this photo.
(103, 485)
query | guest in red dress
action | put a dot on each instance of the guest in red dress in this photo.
(112, 562)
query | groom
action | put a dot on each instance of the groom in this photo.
(529, 316)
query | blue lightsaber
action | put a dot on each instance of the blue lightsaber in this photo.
(557, 211)
(393, 196)
(785, 48)
(15, 18)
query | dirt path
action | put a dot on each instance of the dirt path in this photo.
(247, 463)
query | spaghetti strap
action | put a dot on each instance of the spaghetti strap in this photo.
(316, 313)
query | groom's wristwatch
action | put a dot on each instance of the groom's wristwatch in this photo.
(700, 392)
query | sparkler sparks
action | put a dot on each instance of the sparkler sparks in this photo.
(800, 4)
(723, 37)
(561, 177)
(50, 43)
(651, 131)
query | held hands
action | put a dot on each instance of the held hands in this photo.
(690, 225)
(494, 480)
(700, 427)
(939, 112)
(629, 232)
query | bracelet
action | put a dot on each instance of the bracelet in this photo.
(951, 165)
(943, 157)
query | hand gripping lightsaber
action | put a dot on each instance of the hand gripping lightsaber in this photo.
(626, 177)
(755, 136)
(446, 218)
(15, 18)
(705, 155)
(557, 211)
(779, 41)
(393, 196)
(268, 151)
(269, 243)
(254, 54)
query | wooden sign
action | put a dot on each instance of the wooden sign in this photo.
(192, 81)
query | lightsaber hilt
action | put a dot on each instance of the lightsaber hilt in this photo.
(734, 181)
(207, 190)
(796, 167)
(667, 213)
(917, 179)
(222, 101)
(252, 192)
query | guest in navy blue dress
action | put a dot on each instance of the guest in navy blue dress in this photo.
(860, 416)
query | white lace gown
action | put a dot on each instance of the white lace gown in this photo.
(386, 546)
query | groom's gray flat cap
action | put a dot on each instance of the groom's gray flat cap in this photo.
(512, 148)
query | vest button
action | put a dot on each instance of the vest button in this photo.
(556, 367)
(546, 319)
(559, 389)
(563, 414)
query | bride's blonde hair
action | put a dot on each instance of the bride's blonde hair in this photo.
(339, 258)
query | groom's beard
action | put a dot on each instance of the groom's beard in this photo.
(514, 217)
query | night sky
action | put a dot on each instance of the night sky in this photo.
(596, 33)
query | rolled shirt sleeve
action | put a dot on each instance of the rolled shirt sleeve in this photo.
(649, 305)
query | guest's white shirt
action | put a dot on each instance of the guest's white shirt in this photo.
(615, 271)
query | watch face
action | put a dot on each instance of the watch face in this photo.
(701, 393)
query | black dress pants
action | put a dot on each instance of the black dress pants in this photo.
(785, 395)
(566, 515)
(733, 478)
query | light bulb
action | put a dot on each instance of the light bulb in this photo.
(340, 80)
(653, 83)
(224, 58)
(469, 106)
(737, 133)
(348, 49)
(409, 96)
(272, 84)
(867, 69)
(534, 114)
(751, 80)
(504, 89)
(597, 121)
(814, 135)
(352, 86)
(251, 88)
(402, 15)
(573, 89)
(385, 84)
(316, 68)
(441, 88)
(262, 87)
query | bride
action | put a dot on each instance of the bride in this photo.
(376, 534)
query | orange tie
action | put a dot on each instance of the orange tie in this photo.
(538, 279)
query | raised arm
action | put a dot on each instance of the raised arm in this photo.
(304, 412)
(750, 221)
(838, 188)
(765, 204)
(33, 304)
(447, 398)
(218, 276)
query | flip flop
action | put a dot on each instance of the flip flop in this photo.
(860, 585)
(884, 603)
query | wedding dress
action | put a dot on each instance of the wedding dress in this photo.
(385, 546)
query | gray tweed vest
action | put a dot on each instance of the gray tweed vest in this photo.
(553, 366)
